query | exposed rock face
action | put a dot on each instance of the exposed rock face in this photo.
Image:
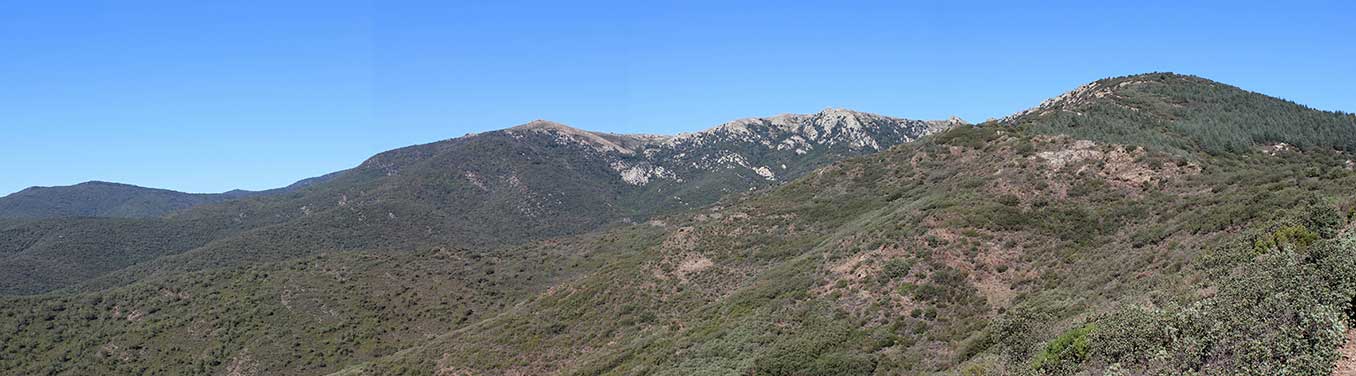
(564, 133)
(759, 148)
(802, 133)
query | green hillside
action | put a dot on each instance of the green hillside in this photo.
(1183, 113)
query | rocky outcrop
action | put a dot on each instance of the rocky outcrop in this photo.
(750, 145)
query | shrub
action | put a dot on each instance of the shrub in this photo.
(907, 289)
(1066, 351)
(1323, 219)
(895, 269)
(1286, 236)
(840, 364)
(1277, 313)
(968, 136)
(1016, 332)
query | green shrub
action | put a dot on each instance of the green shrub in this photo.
(840, 364)
(1277, 313)
(895, 269)
(1066, 351)
(968, 136)
(907, 289)
(1323, 219)
(1286, 236)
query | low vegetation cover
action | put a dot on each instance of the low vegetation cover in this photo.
(506, 187)
(1160, 276)
(1025, 246)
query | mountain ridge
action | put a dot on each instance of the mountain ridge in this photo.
(786, 122)
(1185, 114)
(115, 200)
(537, 180)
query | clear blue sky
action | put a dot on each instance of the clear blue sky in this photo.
(208, 96)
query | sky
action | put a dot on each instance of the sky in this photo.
(212, 96)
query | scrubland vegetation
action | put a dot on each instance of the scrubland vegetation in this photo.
(1113, 235)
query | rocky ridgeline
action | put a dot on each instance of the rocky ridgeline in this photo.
(762, 147)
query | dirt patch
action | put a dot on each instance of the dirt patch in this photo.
(981, 266)
(242, 365)
(1346, 364)
(476, 180)
(681, 240)
(1119, 165)
(1277, 149)
(693, 263)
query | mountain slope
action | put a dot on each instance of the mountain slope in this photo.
(748, 285)
(907, 262)
(998, 249)
(511, 186)
(534, 181)
(1066, 256)
(43, 254)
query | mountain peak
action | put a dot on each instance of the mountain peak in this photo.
(835, 111)
(1107, 88)
(544, 124)
(787, 120)
(802, 133)
(103, 183)
(949, 122)
(1186, 113)
(600, 142)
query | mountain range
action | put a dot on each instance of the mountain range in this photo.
(1147, 224)
(533, 181)
(116, 200)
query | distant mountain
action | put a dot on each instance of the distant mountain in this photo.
(101, 199)
(115, 200)
(694, 169)
(511, 186)
(298, 185)
(538, 180)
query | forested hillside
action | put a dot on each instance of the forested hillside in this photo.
(1182, 113)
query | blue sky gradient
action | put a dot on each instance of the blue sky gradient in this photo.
(206, 97)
